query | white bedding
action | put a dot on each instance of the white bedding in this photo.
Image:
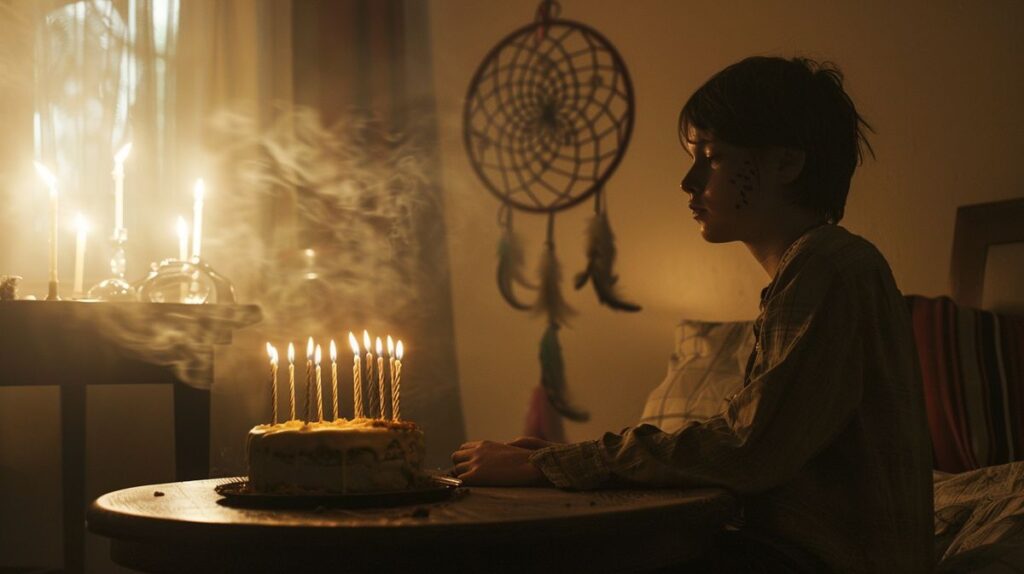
(979, 519)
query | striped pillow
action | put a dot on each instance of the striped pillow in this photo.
(972, 366)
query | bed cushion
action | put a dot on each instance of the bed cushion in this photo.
(705, 368)
(972, 367)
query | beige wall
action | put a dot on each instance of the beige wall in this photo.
(940, 81)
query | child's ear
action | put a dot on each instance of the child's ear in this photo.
(790, 164)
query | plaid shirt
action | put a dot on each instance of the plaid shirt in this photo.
(827, 442)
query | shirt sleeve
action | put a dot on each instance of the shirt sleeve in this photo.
(801, 393)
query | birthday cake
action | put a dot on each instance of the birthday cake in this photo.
(335, 457)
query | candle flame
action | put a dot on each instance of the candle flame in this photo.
(199, 191)
(391, 346)
(309, 348)
(380, 347)
(272, 353)
(81, 223)
(318, 356)
(399, 350)
(353, 343)
(291, 353)
(122, 154)
(366, 341)
(47, 176)
(182, 227)
(334, 351)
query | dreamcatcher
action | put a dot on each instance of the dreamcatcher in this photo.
(547, 119)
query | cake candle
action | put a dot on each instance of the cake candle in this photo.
(334, 379)
(369, 373)
(395, 390)
(309, 377)
(391, 372)
(357, 382)
(272, 352)
(380, 376)
(319, 389)
(291, 380)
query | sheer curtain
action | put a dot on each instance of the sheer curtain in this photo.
(312, 123)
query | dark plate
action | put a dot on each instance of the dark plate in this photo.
(238, 493)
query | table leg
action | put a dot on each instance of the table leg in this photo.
(191, 432)
(72, 430)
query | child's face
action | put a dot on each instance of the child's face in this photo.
(726, 189)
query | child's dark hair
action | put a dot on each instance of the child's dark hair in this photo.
(797, 103)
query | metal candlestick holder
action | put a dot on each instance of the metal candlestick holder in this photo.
(193, 281)
(115, 288)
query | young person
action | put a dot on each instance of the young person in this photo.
(826, 443)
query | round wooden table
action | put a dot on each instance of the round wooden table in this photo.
(187, 527)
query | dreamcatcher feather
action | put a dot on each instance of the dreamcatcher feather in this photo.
(510, 266)
(569, 95)
(600, 261)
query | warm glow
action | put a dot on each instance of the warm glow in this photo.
(366, 341)
(391, 346)
(399, 351)
(81, 224)
(122, 154)
(334, 351)
(353, 343)
(380, 347)
(182, 228)
(272, 353)
(47, 176)
(199, 191)
(309, 348)
(291, 353)
(318, 356)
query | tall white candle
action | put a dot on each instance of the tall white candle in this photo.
(51, 184)
(81, 230)
(182, 229)
(118, 173)
(291, 381)
(198, 196)
(357, 379)
(334, 379)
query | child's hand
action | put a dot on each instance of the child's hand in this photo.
(531, 443)
(488, 463)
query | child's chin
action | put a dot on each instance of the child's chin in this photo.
(712, 235)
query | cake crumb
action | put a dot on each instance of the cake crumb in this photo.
(157, 493)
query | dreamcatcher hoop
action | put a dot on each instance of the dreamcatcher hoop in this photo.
(548, 115)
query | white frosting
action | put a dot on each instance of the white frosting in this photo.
(343, 456)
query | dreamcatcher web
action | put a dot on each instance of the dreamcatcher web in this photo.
(549, 117)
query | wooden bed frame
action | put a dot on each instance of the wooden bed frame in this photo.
(979, 226)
